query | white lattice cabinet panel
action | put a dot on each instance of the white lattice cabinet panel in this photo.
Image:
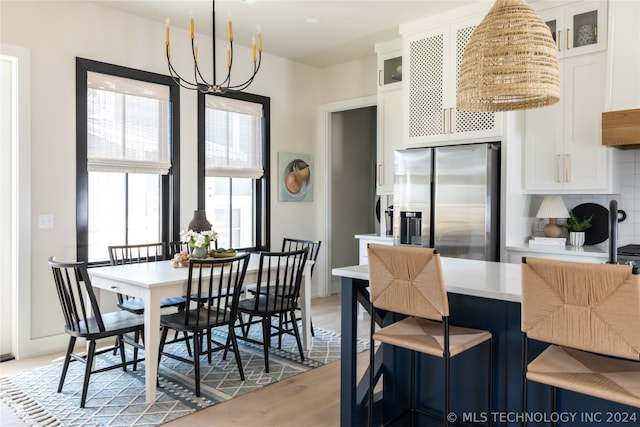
(433, 57)
(563, 151)
(389, 133)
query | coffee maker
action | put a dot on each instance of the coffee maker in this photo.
(389, 220)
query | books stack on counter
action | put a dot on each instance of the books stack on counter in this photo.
(537, 241)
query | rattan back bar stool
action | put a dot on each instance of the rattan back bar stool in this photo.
(409, 281)
(590, 316)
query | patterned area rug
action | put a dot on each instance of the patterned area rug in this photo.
(117, 398)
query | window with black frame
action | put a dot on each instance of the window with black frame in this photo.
(233, 159)
(127, 158)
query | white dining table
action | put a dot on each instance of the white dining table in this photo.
(153, 281)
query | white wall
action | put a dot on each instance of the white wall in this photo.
(55, 33)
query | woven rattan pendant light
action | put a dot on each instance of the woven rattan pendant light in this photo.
(510, 62)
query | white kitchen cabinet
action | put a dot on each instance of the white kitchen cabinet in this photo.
(563, 151)
(578, 28)
(389, 112)
(432, 64)
(365, 239)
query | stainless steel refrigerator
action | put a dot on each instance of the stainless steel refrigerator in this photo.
(448, 198)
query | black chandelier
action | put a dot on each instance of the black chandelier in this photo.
(199, 83)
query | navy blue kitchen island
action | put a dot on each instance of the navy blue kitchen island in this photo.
(483, 295)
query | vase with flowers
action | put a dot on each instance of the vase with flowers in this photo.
(199, 241)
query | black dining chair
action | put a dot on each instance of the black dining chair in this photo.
(276, 296)
(134, 254)
(83, 319)
(221, 280)
(289, 244)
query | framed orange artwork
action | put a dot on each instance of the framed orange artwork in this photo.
(295, 177)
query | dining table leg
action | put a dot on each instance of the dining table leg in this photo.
(151, 343)
(305, 294)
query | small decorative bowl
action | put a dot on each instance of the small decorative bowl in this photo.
(224, 254)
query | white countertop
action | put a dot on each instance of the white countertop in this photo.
(486, 279)
(374, 237)
(585, 251)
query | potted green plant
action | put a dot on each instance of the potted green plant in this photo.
(576, 228)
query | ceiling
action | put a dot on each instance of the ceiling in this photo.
(346, 29)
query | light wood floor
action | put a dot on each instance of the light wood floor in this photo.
(308, 399)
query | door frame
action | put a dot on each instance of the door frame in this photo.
(324, 127)
(20, 206)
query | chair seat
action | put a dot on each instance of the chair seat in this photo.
(275, 305)
(426, 336)
(206, 320)
(136, 305)
(608, 378)
(115, 323)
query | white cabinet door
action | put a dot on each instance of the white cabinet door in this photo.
(586, 159)
(578, 28)
(563, 150)
(426, 85)
(389, 136)
(389, 133)
(434, 57)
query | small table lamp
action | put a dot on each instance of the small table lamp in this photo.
(552, 207)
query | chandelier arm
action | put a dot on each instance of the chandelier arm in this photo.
(245, 84)
(179, 80)
(227, 81)
(196, 68)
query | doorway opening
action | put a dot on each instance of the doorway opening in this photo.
(351, 199)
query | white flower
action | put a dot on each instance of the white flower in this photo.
(198, 239)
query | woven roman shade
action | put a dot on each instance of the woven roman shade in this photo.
(510, 62)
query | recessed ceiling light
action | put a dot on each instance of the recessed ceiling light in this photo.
(248, 1)
(312, 20)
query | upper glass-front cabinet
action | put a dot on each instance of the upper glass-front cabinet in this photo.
(389, 62)
(578, 28)
(392, 70)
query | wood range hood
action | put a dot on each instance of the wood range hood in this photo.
(621, 129)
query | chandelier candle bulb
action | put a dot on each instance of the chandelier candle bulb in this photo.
(230, 29)
(228, 56)
(259, 39)
(192, 28)
(166, 32)
(195, 50)
(253, 49)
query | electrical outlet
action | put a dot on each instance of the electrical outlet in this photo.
(45, 221)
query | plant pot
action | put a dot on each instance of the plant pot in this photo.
(576, 238)
(204, 252)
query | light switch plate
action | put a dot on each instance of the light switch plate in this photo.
(45, 221)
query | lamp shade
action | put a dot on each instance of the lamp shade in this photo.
(510, 62)
(552, 207)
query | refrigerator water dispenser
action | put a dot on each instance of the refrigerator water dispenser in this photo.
(411, 228)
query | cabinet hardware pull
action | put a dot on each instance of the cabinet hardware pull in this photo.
(567, 39)
(567, 162)
(379, 77)
(380, 183)
(451, 130)
(558, 168)
(444, 120)
(559, 41)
